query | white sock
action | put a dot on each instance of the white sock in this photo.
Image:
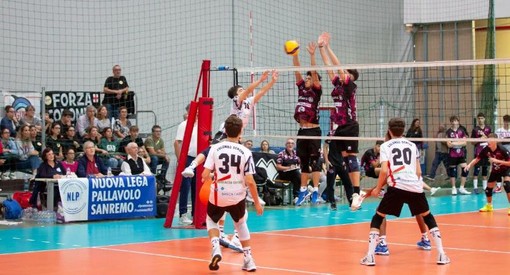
(303, 189)
(316, 189)
(382, 240)
(484, 184)
(425, 236)
(436, 236)
(373, 238)
(475, 183)
(498, 184)
(215, 242)
(247, 251)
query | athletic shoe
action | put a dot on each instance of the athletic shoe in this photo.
(443, 259)
(433, 190)
(249, 264)
(5, 176)
(188, 172)
(486, 208)
(249, 199)
(368, 260)
(382, 249)
(333, 207)
(236, 242)
(216, 258)
(424, 244)
(357, 199)
(454, 191)
(301, 198)
(315, 195)
(476, 191)
(463, 191)
(12, 176)
(183, 219)
(497, 189)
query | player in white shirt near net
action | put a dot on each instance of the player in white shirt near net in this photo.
(503, 132)
(400, 169)
(233, 168)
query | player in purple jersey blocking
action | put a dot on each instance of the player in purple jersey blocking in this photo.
(499, 158)
(307, 115)
(344, 98)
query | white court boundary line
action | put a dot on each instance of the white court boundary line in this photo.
(205, 261)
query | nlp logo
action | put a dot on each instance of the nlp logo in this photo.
(73, 194)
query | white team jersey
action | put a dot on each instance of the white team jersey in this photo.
(243, 109)
(230, 162)
(402, 156)
(503, 133)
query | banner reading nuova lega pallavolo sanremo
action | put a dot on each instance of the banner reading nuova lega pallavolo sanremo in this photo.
(108, 197)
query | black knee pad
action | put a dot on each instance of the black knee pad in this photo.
(506, 185)
(376, 221)
(485, 171)
(476, 171)
(430, 221)
(488, 192)
(315, 165)
(352, 164)
(453, 171)
(464, 173)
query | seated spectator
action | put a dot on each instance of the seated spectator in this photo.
(6, 165)
(47, 120)
(28, 157)
(248, 144)
(86, 120)
(9, 121)
(65, 122)
(94, 136)
(103, 120)
(264, 147)
(50, 168)
(9, 154)
(132, 137)
(370, 161)
(156, 148)
(144, 154)
(30, 119)
(112, 158)
(90, 165)
(35, 137)
(54, 142)
(69, 162)
(134, 165)
(122, 123)
(71, 140)
(287, 164)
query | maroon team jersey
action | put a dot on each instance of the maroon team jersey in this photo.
(344, 98)
(459, 152)
(368, 157)
(478, 132)
(500, 153)
(307, 107)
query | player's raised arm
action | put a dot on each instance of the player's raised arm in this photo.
(246, 92)
(323, 42)
(267, 87)
(312, 46)
(335, 61)
(295, 62)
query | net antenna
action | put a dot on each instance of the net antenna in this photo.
(200, 110)
(252, 74)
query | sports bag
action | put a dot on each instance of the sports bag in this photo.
(12, 209)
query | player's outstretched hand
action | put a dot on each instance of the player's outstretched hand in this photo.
(264, 76)
(274, 75)
(323, 39)
(311, 48)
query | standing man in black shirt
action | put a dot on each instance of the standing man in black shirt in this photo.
(115, 90)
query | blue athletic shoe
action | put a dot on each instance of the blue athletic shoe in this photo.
(382, 249)
(301, 197)
(424, 244)
(315, 196)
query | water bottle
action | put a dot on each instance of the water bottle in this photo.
(109, 173)
(26, 183)
(223, 68)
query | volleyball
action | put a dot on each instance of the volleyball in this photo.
(291, 47)
(204, 191)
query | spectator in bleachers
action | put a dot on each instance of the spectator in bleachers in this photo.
(9, 121)
(115, 87)
(30, 119)
(54, 142)
(47, 120)
(103, 120)
(132, 137)
(248, 144)
(28, 157)
(287, 164)
(50, 168)
(71, 140)
(69, 161)
(93, 136)
(6, 164)
(156, 148)
(90, 165)
(86, 120)
(134, 165)
(264, 147)
(109, 144)
(122, 123)
(144, 154)
(35, 137)
(65, 121)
